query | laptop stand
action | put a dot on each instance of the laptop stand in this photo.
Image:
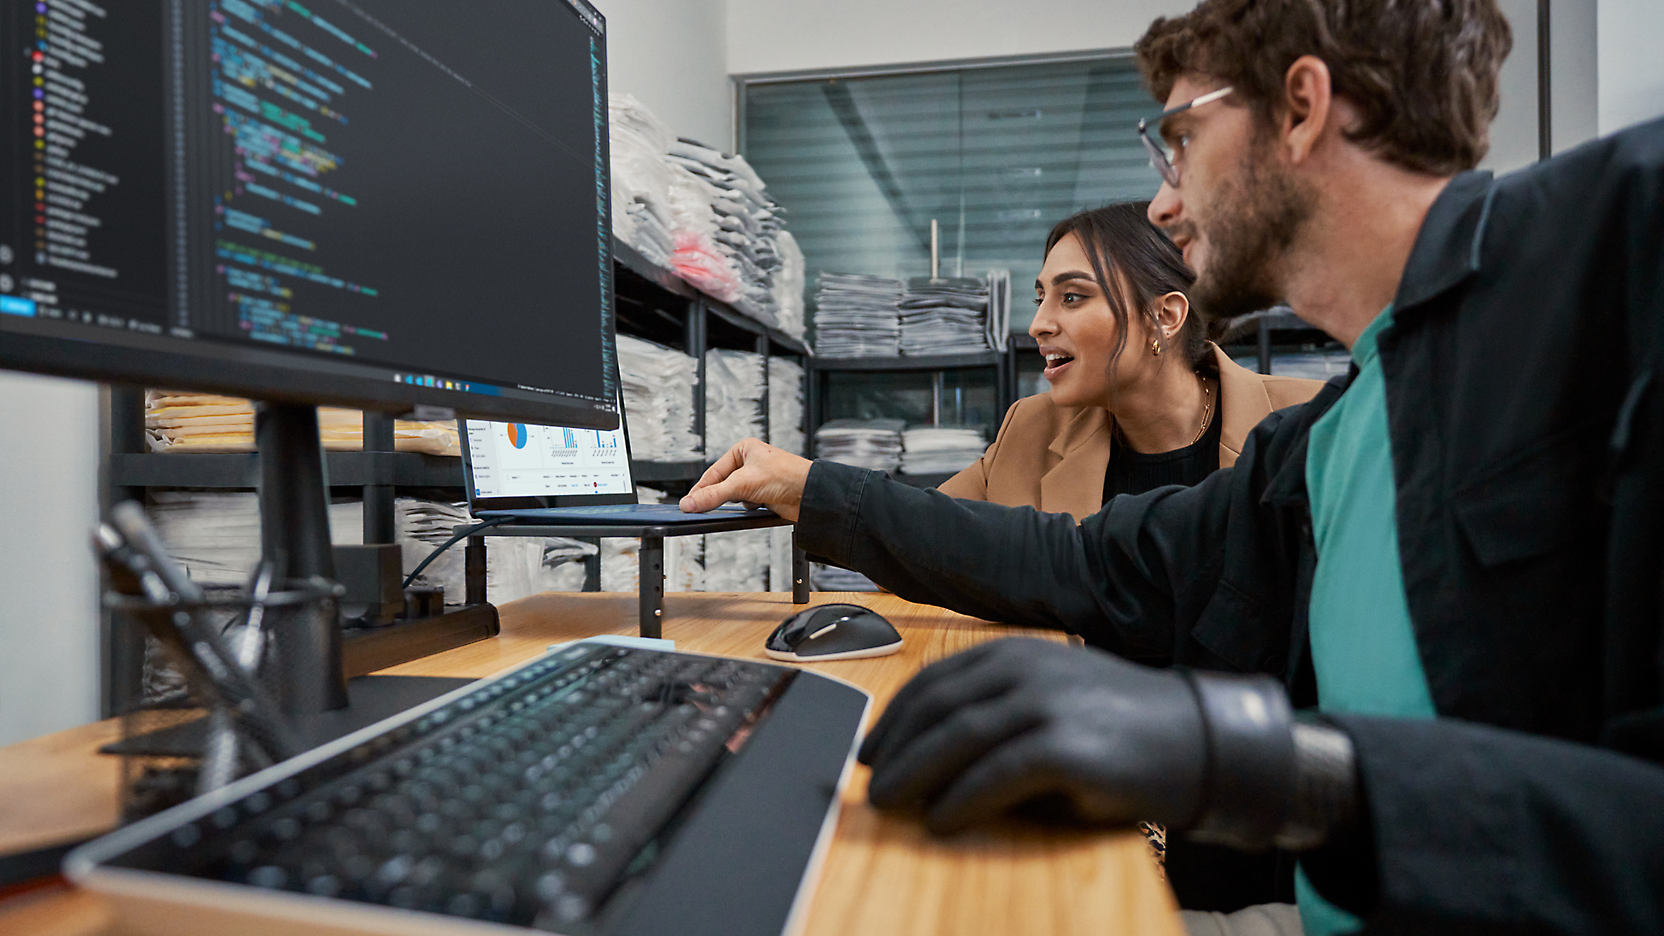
(652, 538)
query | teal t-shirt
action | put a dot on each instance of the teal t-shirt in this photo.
(1363, 646)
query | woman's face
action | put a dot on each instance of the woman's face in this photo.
(1077, 332)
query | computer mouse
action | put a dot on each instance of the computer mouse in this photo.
(833, 632)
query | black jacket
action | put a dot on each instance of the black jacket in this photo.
(1525, 399)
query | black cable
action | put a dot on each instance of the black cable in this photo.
(459, 537)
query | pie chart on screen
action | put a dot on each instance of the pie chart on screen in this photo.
(517, 435)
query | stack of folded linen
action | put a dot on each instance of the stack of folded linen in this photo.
(177, 422)
(740, 224)
(733, 398)
(736, 561)
(703, 214)
(864, 443)
(658, 400)
(215, 536)
(944, 316)
(641, 178)
(788, 286)
(833, 578)
(857, 316)
(785, 404)
(940, 449)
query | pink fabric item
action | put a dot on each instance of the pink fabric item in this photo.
(697, 261)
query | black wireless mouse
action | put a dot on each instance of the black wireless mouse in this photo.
(833, 632)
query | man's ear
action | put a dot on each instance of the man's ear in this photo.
(1308, 102)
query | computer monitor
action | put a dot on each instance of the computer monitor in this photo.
(382, 204)
(369, 203)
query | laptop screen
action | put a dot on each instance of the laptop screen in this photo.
(520, 465)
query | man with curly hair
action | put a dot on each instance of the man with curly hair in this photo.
(1415, 636)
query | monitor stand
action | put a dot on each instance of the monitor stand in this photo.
(294, 523)
(312, 683)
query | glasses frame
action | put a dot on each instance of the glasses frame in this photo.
(1158, 156)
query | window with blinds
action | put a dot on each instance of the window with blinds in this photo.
(997, 154)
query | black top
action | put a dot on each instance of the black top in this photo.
(1131, 472)
(1530, 557)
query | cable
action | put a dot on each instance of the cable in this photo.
(459, 537)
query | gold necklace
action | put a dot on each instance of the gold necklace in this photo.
(1207, 409)
(1207, 415)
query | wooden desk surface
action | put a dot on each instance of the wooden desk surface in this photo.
(883, 874)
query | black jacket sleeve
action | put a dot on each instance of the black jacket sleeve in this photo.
(1205, 576)
(1110, 579)
(1478, 829)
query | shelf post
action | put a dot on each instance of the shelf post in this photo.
(378, 497)
(123, 647)
(762, 349)
(696, 348)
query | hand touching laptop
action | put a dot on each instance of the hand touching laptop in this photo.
(755, 472)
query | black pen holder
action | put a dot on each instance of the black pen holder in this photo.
(190, 730)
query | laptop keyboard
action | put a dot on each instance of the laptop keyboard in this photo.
(525, 802)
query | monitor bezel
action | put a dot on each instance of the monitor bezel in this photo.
(282, 382)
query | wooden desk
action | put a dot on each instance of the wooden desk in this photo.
(883, 874)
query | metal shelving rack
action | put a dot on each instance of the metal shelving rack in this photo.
(819, 390)
(650, 302)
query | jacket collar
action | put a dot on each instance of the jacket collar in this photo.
(1243, 402)
(1087, 422)
(1287, 487)
(1446, 251)
(1084, 441)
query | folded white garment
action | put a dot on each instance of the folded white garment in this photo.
(785, 404)
(733, 398)
(659, 384)
(940, 449)
(857, 315)
(864, 443)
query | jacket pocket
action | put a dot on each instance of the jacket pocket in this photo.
(1532, 503)
(1233, 629)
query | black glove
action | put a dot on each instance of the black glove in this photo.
(1019, 720)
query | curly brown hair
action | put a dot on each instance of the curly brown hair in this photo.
(1422, 73)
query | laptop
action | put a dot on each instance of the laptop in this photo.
(554, 475)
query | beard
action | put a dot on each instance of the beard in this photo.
(1257, 217)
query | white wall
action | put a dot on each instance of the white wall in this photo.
(1631, 37)
(672, 55)
(772, 35)
(49, 642)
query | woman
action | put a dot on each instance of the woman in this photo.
(1139, 397)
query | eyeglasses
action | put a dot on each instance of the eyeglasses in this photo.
(1162, 155)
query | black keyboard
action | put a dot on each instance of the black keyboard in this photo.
(528, 801)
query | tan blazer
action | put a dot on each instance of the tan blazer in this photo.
(1052, 457)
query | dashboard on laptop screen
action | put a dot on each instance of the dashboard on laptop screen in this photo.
(526, 460)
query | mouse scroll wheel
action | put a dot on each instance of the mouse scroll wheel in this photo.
(829, 627)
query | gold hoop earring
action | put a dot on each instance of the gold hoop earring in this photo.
(1155, 347)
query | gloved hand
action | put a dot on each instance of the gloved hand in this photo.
(1017, 720)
